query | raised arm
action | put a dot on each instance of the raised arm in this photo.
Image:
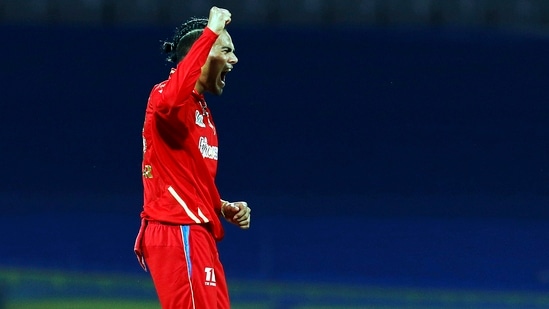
(182, 82)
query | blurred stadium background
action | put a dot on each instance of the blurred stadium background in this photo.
(395, 152)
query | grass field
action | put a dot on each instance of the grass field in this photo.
(45, 289)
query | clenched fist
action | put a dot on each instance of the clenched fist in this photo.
(237, 213)
(218, 19)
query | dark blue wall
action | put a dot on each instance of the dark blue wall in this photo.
(393, 124)
(369, 112)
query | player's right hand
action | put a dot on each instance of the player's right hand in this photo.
(218, 19)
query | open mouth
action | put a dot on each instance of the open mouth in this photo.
(224, 75)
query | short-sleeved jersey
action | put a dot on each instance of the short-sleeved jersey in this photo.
(180, 148)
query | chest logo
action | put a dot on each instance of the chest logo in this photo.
(199, 119)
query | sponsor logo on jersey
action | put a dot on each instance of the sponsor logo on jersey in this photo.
(206, 150)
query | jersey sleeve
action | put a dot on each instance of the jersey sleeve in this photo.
(181, 83)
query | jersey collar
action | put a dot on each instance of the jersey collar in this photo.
(198, 96)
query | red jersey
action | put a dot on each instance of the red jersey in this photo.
(180, 148)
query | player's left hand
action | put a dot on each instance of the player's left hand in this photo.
(237, 213)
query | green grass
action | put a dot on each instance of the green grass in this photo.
(45, 289)
(82, 303)
(92, 303)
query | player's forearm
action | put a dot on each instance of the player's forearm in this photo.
(181, 83)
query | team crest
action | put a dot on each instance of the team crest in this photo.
(199, 119)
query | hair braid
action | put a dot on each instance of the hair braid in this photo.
(184, 37)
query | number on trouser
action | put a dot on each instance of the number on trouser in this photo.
(210, 276)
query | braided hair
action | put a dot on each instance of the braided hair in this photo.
(184, 37)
